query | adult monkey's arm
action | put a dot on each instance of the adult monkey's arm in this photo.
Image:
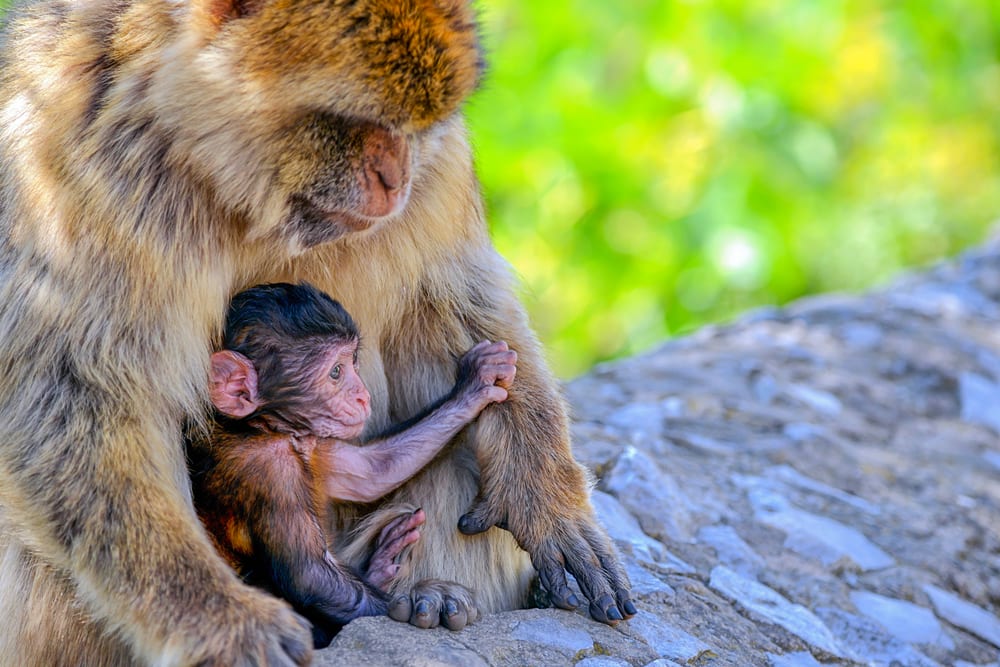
(530, 484)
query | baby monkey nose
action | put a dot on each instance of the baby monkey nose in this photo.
(363, 398)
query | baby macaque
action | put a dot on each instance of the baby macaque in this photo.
(290, 409)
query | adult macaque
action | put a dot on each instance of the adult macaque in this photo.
(291, 407)
(158, 156)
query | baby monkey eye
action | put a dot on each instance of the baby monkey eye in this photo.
(335, 373)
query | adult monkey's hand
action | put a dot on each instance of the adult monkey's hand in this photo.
(531, 486)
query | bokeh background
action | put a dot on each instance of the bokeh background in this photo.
(651, 166)
(654, 165)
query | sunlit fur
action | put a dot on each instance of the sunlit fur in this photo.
(151, 152)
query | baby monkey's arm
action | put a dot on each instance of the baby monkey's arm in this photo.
(366, 473)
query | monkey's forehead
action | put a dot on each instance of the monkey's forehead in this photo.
(405, 64)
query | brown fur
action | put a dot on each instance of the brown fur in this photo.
(155, 157)
(258, 493)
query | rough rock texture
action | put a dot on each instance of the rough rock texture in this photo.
(818, 484)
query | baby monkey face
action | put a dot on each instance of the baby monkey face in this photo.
(339, 402)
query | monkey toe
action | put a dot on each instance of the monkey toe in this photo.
(564, 599)
(293, 647)
(476, 520)
(553, 579)
(400, 609)
(471, 525)
(391, 548)
(287, 640)
(432, 603)
(605, 610)
(453, 616)
(625, 604)
(426, 614)
(456, 622)
(402, 525)
(298, 650)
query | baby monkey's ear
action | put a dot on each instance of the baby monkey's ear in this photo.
(233, 385)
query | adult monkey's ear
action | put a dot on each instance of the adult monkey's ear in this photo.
(233, 385)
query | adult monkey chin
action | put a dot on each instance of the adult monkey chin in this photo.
(155, 157)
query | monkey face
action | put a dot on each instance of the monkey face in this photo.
(337, 95)
(339, 403)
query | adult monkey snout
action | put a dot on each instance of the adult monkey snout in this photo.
(385, 178)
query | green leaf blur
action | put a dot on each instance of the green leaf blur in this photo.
(652, 166)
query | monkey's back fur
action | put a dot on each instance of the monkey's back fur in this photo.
(157, 156)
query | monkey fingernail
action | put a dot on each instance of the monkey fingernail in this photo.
(423, 608)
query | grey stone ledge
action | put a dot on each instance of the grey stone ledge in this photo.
(816, 484)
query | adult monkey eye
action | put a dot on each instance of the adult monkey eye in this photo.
(335, 373)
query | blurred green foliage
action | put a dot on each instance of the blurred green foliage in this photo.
(653, 165)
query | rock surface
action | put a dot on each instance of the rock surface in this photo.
(813, 485)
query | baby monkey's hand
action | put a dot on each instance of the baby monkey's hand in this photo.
(485, 373)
